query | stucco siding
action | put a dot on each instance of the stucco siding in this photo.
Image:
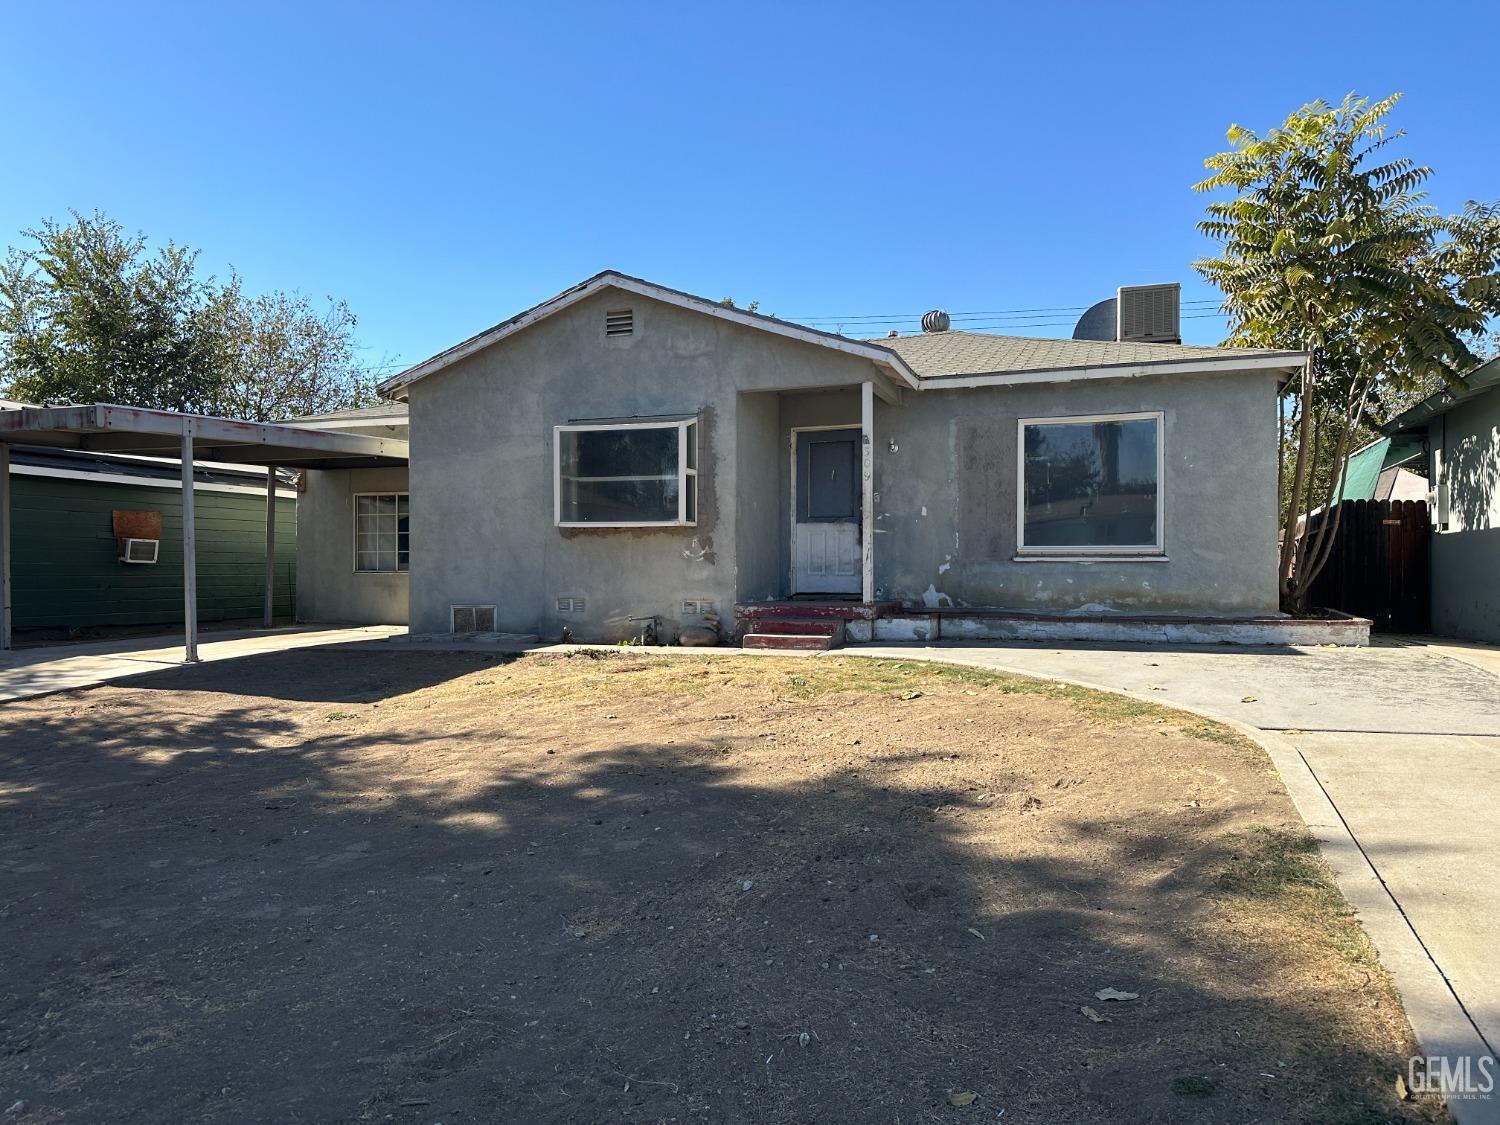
(483, 528)
(1466, 556)
(329, 589)
(482, 464)
(946, 515)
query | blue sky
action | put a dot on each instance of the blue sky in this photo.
(442, 166)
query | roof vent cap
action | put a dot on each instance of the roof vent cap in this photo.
(935, 321)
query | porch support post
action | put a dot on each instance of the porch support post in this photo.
(270, 607)
(189, 551)
(5, 608)
(867, 488)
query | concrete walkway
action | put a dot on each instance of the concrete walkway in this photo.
(1392, 756)
(28, 672)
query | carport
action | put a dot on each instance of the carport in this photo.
(103, 428)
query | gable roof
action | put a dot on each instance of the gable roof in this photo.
(933, 360)
(884, 358)
(941, 355)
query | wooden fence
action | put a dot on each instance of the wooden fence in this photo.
(1380, 566)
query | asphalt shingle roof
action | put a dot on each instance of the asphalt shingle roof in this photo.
(936, 354)
(381, 411)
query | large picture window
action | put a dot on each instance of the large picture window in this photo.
(627, 474)
(1090, 485)
(381, 536)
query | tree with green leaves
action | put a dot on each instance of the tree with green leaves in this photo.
(1329, 246)
(279, 356)
(88, 315)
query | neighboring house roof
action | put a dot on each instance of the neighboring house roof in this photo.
(939, 359)
(385, 413)
(1400, 484)
(380, 410)
(1367, 467)
(144, 472)
(938, 355)
(1476, 382)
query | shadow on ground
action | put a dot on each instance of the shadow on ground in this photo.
(239, 906)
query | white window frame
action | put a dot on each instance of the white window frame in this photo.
(1075, 551)
(355, 535)
(687, 431)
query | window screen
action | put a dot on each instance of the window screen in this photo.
(1091, 485)
(623, 475)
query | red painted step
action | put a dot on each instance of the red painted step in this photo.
(790, 642)
(800, 626)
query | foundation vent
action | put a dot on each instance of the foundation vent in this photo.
(619, 322)
(570, 604)
(473, 618)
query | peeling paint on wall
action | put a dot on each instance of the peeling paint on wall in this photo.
(933, 598)
(698, 550)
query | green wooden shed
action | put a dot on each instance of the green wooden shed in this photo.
(66, 568)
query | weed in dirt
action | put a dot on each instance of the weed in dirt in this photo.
(1284, 864)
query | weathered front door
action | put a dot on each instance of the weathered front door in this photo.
(826, 503)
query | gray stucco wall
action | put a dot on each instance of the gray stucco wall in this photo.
(1466, 557)
(1466, 584)
(482, 485)
(329, 589)
(482, 489)
(946, 514)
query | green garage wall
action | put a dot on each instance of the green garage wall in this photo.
(65, 573)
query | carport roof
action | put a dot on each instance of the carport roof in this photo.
(105, 428)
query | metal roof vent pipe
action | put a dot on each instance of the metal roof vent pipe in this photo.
(935, 321)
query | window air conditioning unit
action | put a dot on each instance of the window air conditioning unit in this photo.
(139, 551)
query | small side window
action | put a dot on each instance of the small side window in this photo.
(381, 532)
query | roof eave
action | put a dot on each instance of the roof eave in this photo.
(1281, 361)
(396, 386)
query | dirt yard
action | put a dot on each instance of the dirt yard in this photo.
(334, 886)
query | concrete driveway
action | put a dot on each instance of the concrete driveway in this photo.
(27, 672)
(1392, 754)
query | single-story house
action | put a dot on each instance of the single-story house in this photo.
(625, 452)
(1457, 433)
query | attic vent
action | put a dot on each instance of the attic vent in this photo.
(568, 604)
(1148, 314)
(473, 618)
(619, 322)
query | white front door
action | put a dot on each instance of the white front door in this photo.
(828, 558)
(826, 505)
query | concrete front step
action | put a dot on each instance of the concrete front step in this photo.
(800, 626)
(790, 642)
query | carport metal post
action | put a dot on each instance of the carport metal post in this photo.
(189, 551)
(270, 544)
(4, 545)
